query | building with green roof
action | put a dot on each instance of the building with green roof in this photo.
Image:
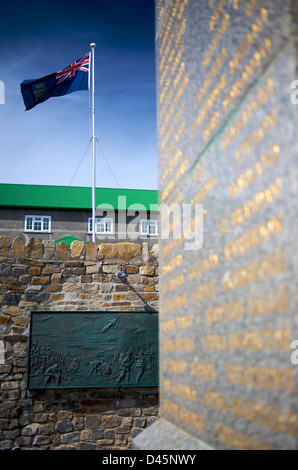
(55, 212)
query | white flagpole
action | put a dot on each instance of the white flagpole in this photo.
(93, 46)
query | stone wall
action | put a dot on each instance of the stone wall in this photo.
(41, 276)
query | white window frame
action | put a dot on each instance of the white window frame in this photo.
(38, 219)
(103, 220)
(148, 223)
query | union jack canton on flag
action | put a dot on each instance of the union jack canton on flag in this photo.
(72, 78)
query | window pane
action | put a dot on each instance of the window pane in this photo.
(108, 226)
(100, 227)
(37, 223)
(152, 227)
(144, 227)
(46, 223)
(29, 223)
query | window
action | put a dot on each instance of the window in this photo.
(102, 225)
(149, 227)
(37, 223)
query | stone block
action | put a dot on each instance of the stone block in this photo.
(147, 270)
(150, 296)
(6, 444)
(85, 435)
(140, 422)
(30, 430)
(46, 429)
(34, 248)
(4, 245)
(56, 277)
(62, 251)
(100, 277)
(154, 252)
(92, 421)
(77, 248)
(136, 431)
(41, 440)
(131, 269)
(11, 310)
(117, 297)
(125, 251)
(48, 249)
(97, 434)
(111, 422)
(54, 288)
(24, 279)
(134, 278)
(40, 280)
(34, 270)
(72, 287)
(78, 423)
(90, 288)
(110, 268)
(86, 278)
(70, 437)
(64, 426)
(91, 251)
(50, 269)
(105, 442)
(18, 247)
(92, 269)
(87, 446)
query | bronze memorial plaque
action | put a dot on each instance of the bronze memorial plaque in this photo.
(93, 349)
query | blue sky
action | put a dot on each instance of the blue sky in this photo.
(46, 144)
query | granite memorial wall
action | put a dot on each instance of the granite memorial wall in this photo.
(227, 137)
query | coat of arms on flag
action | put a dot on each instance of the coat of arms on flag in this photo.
(73, 78)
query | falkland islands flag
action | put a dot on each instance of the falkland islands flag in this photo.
(73, 78)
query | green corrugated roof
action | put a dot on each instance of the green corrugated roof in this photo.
(68, 240)
(72, 197)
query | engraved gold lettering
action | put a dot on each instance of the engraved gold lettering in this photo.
(174, 303)
(215, 400)
(269, 339)
(270, 302)
(254, 237)
(253, 139)
(192, 419)
(224, 312)
(204, 291)
(177, 367)
(237, 440)
(246, 178)
(261, 376)
(181, 390)
(203, 192)
(256, 203)
(216, 40)
(185, 344)
(255, 271)
(215, 343)
(262, 96)
(204, 370)
(267, 416)
(202, 266)
(170, 408)
(168, 345)
(173, 283)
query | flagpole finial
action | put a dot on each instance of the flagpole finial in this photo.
(93, 45)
